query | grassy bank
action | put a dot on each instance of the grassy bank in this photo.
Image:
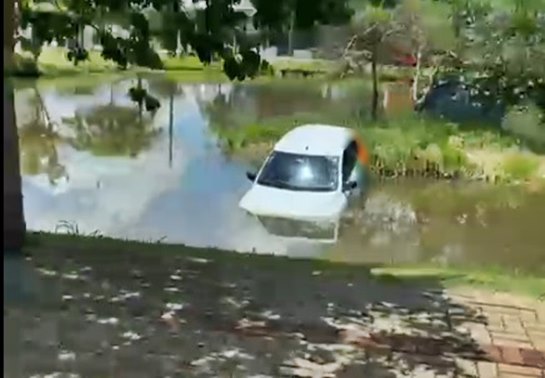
(490, 279)
(53, 63)
(493, 279)
(405, 147)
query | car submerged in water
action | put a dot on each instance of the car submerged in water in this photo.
(312, 176)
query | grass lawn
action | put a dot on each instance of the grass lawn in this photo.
(53, 63)
(493, 279)
(403, 146)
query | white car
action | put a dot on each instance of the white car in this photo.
(313, 174)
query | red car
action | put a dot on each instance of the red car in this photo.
(405, 60)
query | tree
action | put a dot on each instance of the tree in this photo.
(502, 53)
(207, 35)
(14, 221)
(512, 52)
(429, 38)
(286, 15)
(415, 27)
(207, 28)
(371, 31)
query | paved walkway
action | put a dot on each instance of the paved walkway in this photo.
(112, 315)
(513, 334)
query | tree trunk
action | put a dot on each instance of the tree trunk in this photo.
(374, 73)
(290, 34)
(416, 81)
(14, 220)
(9, 35)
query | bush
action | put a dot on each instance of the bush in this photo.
(25, 66)
(520, 167)
(527, 123)
(404, 146)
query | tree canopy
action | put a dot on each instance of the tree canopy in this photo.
(495, 47)
(207, 26)
(504, 49)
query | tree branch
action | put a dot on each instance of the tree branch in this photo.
(355, 37)
(390, 32)
(351, 42)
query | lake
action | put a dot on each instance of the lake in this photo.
(93, 165)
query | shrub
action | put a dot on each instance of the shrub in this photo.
(527, 123)
(520, 167)
(25, 66)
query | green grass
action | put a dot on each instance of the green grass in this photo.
(492, 279)
(187, 63)
(409, 146)
(314, 65)
(206, 75)
(240, 137)
(520, 167)
(53, 63)
(67, 82)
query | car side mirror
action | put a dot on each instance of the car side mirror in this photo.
(350, 185)
(251, 176)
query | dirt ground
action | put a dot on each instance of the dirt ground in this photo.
(71, 314)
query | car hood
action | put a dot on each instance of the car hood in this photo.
(267, 201)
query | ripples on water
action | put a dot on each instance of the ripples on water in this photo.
(100, 168)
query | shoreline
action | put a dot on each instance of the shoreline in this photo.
(490, 278)
(52, 63)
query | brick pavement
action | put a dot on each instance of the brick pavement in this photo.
(514, 328)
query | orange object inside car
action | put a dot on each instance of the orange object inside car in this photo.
(363, 153)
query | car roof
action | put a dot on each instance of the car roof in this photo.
(324, 140)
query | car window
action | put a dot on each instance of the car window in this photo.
(350, 157)
(300, 172)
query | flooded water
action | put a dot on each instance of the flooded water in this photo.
(93, 165)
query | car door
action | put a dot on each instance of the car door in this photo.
(351, 171)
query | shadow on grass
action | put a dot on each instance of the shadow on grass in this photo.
(105, 308)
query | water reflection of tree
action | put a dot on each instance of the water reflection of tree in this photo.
(112, 130)
(258, 103)
(38, 141)
(221, 109)
(269, 100)
(170, 89)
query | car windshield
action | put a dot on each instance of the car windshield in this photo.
(300, 172)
